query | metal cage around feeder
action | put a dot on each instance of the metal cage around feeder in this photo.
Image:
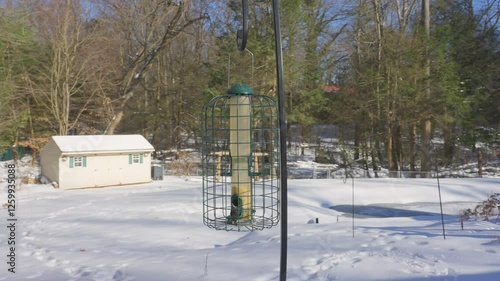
(240, 161)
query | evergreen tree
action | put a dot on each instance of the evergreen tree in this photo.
(17, 48)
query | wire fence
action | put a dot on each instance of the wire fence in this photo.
(332, 172)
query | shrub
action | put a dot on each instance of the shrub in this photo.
(184, 165)
(485, 210)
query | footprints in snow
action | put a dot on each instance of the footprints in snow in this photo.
(380, 248)
(97, 273)
(324, 267)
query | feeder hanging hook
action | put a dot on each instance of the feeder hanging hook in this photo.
(241, 35)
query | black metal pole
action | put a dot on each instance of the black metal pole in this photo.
(440, 201)
(352, 206)
(241, 35)
(282, 123)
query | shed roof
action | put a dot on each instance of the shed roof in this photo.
(102, 143)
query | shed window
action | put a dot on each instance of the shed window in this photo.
(78, 161)
(135, 159)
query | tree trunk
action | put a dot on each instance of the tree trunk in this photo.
(365, 158)
(157, 115)
(480, 163)
(357, 141)
(373, 153)
(412, 152)
(119, 114)
(449, 145)
(398, 147)
(426, 126)
(425, 148)
(379, 27)
(389, 148)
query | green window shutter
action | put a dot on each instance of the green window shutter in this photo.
(140, 159)
(84, 161)
(71, 162)
(130, 158)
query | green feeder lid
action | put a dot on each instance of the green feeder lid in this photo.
(240, 89)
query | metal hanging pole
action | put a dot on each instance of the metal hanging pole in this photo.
(352, 206)
(440, 201)
(282, 124)
(241, 34)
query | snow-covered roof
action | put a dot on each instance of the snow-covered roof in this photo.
(102, 143)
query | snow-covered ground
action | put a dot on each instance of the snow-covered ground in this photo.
(155, 231)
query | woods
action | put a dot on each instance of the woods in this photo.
(406, 72)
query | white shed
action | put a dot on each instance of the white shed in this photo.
(96, 160)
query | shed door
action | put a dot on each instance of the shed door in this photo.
(107, 173)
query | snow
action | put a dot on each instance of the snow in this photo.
(154, 231)
(100, 143)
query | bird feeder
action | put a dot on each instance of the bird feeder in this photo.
(240, 156)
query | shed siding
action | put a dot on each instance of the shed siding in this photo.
(49, 161)
(137, 172)
(105, 170)
(74, 177)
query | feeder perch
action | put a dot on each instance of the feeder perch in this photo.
(240, 156)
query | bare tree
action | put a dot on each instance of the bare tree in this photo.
(141, 30)
(65, 83)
